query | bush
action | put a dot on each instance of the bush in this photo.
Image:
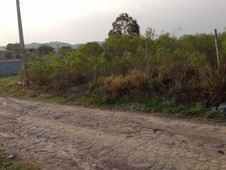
(197, 110)
(219, 116)
(113, 87)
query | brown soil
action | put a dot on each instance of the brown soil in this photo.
(55, 136)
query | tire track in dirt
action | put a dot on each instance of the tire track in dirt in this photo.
(66, 137)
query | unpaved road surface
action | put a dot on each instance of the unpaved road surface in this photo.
(62, 137)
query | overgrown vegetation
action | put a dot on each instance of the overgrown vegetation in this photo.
(152, 73)
(180, 75)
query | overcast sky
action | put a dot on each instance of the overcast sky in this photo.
(79, 21)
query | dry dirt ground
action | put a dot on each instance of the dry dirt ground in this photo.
(60, 137)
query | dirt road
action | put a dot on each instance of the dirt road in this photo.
(62, 137)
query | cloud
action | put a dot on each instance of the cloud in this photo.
(89, 20)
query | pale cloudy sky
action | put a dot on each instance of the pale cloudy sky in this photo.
(79, 21)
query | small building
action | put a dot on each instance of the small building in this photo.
(2, 54)
(9, 67)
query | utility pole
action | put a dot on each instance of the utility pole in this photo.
(146, 54)
(217, 50)
(21, 36)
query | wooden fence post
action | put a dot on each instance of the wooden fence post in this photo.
(217, 50)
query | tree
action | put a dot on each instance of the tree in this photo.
(117, 46)
(202, 43)
(64, 50)
(125, 25)
(91, 49)
(13, 51)
(45, 50)
(150, 34)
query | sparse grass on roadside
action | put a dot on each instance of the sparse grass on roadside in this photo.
(148, 104)
(6, 83)
(6, 164)
(140, 103)
(10, 86)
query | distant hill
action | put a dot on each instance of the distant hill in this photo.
(55, 45)
(33, 45)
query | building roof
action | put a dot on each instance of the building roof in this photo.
(2, 48)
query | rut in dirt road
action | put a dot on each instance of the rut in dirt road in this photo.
(56, 136)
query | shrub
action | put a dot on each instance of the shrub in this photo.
(114, 86)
